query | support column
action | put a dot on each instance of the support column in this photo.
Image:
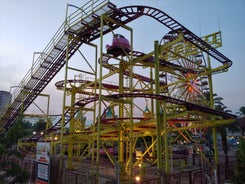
(120, 129)
(62, 166)
(158, 118)
(100, 100)
(71, 128)
(131, 149)
(214, 131)
(165, 136)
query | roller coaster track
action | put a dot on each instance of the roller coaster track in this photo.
(84, 27)
(86, 101)
(146, 61)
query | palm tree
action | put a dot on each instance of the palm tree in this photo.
(242, 111)
(218, 105)
(223, 128)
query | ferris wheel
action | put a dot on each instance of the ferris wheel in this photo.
(186, 77)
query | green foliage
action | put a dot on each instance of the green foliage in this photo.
(242, 110)
(10, 158)
(13, 170)
(19, 130)
(39, 126)
(239, 173)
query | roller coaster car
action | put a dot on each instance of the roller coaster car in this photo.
(120, 46)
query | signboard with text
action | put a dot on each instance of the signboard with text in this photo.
(43, 161)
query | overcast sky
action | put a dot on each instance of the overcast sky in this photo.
(28, 25)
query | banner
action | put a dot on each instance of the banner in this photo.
(43, 161)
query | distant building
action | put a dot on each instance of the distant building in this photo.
(5, 100)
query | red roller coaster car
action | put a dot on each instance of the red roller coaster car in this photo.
(120, 46)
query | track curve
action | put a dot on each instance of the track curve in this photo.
(169, 22)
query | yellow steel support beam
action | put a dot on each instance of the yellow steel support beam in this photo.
(158, 108)
(71, 128)
(165, 138)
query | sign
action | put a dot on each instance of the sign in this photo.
(43, 160)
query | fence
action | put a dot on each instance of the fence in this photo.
(221, 173)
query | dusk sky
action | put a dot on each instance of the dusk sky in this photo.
(27, 26)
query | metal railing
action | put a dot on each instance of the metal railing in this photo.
(73, 19)
(30, 85)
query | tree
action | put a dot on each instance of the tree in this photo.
(218, 105)
(241, 119)
(239, 173)
(19, 130)
(222, 129)
(242, 111)
(40, 125)
(10, 157)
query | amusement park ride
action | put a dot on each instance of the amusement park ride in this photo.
(157, 99)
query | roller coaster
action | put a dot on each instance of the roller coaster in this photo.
(156, 100)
